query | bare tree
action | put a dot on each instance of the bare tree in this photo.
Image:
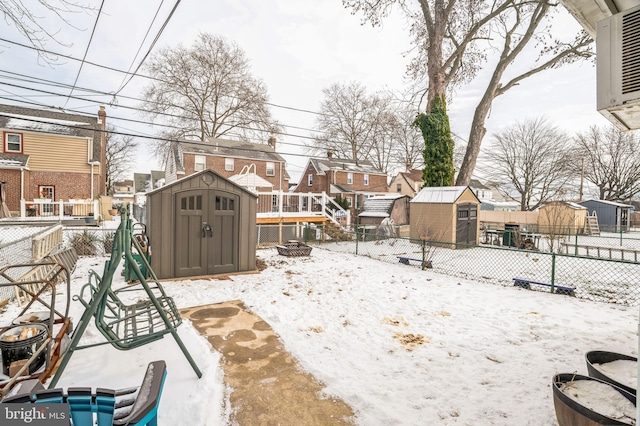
(347, 114)
(611, 161)
(30, 20)
(531, 162)
(375, 127)
(119, 156)
(408, 141)
(451, 39)
(207, 90)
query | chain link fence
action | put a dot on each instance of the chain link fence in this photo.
(603, 279)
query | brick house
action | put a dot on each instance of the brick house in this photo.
(51, 155)
(354, 180)
(407, 183)
(256, 163)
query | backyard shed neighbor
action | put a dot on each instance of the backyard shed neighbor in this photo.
(446, 213)
(202, 224)
(380, 207)
(562, 217)
(612, 216)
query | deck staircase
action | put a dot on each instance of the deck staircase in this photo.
(592, 227)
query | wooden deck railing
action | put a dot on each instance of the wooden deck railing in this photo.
(46, 208)
(294, 204)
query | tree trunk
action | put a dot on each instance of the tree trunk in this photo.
(475, 138)
(435, 70)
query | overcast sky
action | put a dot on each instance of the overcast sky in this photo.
(297, 47)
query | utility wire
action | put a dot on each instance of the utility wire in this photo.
(84, 58)
(141, 44)
(164, 25)
(136, 135)
(144, 76)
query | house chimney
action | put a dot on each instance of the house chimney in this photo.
(102, 118)
(272, 142)
(329, 154)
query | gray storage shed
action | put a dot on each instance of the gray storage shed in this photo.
(202, 224)
(612, 216)
(380, 207)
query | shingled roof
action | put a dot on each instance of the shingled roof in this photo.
(52, 122)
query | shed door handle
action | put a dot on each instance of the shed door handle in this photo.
(207, 228)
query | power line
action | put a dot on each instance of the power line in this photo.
(84, 58)
(144, 76)
(136, 135)
(169, 115)
(141, 44)
(164, 25)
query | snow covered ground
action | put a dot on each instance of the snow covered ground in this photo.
(400, 345)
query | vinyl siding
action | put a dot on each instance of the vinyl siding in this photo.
(57, 153)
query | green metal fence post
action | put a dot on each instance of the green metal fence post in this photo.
(357, 239)
(576, 248)
(553, 272)
(423, 254)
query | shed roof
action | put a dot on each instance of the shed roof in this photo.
(607, 202)
(439, 194)
(379, 206)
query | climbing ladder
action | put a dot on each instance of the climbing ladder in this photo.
(592, 227)
(125, 325)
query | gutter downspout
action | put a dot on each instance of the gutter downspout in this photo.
(93, 163)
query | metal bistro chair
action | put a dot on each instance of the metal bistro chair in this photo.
(125, 325)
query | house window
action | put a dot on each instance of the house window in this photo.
(228, 164)
(13, 142)
(310, 180)
(271, 169)
(349, 178)
(200, 163)
(366, 179)
(399, 187)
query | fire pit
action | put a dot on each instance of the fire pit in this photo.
(294, 248)
(21, 342)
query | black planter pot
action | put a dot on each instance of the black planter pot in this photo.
(570, 412)
(602, 357)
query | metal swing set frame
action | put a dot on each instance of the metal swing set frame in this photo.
(124, 324)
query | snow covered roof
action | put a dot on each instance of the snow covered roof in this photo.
(439, 194)
(611, 203)
(42, 124)
(322, 165)
(22, 119)
(380, 205)
(13, 160)
(373, 214)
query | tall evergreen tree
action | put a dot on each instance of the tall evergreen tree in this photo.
(438, 144)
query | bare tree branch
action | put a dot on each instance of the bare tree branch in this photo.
(207, 90)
